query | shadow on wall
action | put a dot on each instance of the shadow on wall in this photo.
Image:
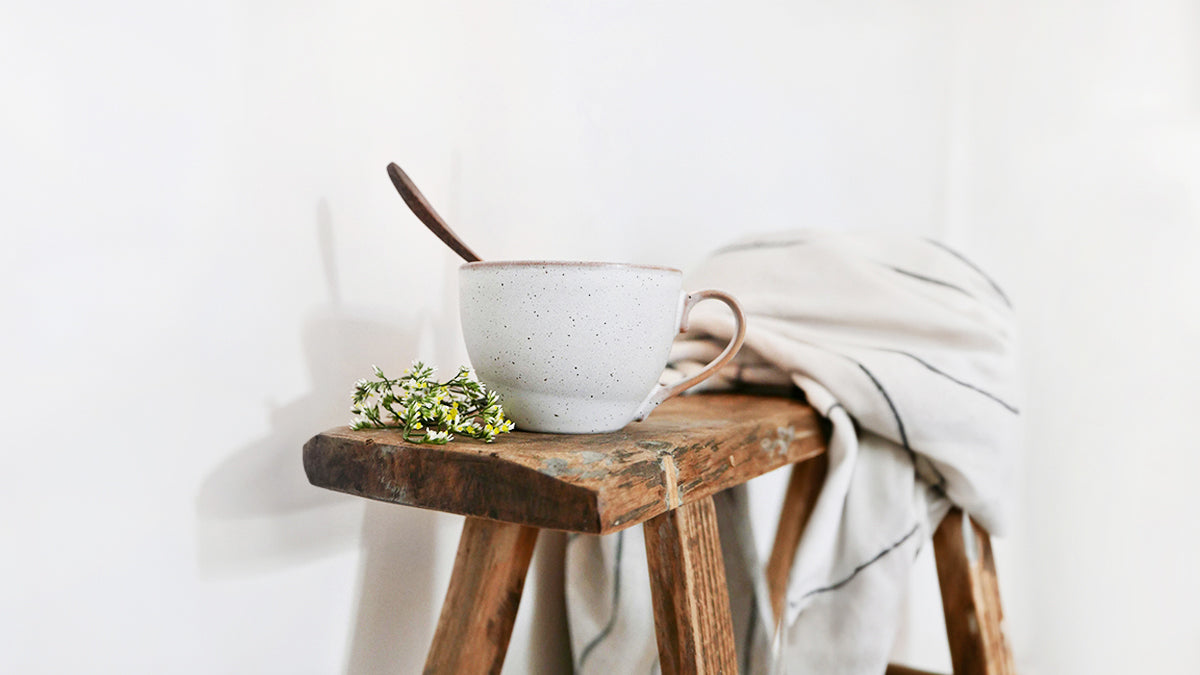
(257, 512)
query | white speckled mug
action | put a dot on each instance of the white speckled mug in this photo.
(576, 347)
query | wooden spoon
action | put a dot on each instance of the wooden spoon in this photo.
(421, 208)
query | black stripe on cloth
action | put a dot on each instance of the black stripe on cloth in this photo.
(891, 406)
(939, 489)
(930, 280)
(886, 398)
(932, 368)
(889, 549)
(919, 462)
(953, 379)
(912, 455)
(754, 245)
(616, 601)
(978, 270)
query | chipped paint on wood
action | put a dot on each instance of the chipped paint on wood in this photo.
(783, 439)
(670, 477)
(555, 466)
(969, 545)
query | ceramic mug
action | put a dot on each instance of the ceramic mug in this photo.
(578, 347)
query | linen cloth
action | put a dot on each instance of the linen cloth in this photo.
(908, 349)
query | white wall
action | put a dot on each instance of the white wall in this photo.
(201, 253)
(1080, 185)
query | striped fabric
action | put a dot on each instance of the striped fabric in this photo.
(907, 347)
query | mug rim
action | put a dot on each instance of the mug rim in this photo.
(478, 264)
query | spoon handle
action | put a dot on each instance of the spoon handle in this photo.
(421, 208)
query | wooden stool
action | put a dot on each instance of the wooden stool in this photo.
(661, 473)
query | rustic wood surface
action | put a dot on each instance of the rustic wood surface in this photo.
(691, 600)
(971, 598)
(691, 447)
(481, 604)
(803, 488)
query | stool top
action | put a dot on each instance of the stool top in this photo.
(689, 448)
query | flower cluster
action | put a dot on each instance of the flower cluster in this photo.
(426, 410)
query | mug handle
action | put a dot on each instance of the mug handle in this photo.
(663, 392)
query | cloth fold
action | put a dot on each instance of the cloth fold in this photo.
(908, 349)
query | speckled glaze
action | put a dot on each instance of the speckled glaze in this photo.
(573, 347)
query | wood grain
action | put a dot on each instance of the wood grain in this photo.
(691, 600)
(971, 598)
(803, 488)
(690, 448)
(481, 604)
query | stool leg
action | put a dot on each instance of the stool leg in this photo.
(803, 488)
(481, 603)
(971, 598)
(688, 587)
